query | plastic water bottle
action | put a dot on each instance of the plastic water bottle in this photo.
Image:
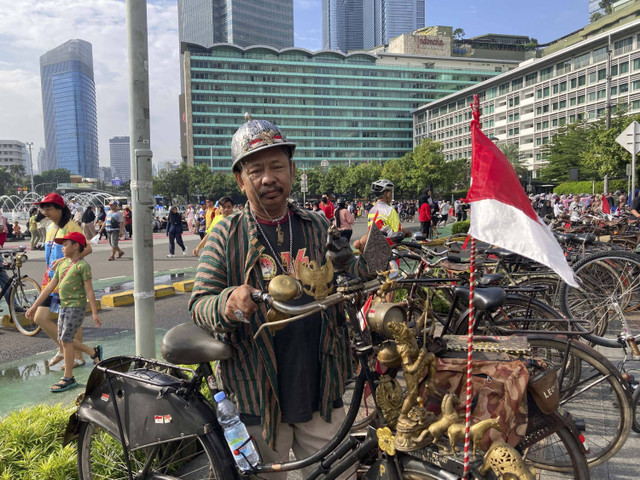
(242, 448)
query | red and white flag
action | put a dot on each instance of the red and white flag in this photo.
(606, 208)
(501, 212)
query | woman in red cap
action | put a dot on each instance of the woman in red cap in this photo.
(53, 207)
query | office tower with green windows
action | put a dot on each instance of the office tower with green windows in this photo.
(336, 107)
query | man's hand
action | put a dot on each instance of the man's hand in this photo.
(239, 306)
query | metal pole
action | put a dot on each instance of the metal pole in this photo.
(141, 178)
(633, 166)
(608, 104)
(211, 156)
(30, 144)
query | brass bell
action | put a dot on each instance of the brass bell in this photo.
(389, 355)
(284, 288)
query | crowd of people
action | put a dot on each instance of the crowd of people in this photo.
(551, 206)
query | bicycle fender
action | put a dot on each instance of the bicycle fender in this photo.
(149, 413)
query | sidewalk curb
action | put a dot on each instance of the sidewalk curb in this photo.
(123, 299)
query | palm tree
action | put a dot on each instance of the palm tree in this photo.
(512, 152)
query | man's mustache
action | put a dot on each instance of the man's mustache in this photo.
(266, 191)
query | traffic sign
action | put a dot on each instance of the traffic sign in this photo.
(303, 177)
(630, 139)
(116, 182)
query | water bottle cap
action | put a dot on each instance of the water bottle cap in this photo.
(220, 396)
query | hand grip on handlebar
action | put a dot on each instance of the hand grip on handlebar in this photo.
(261, 297)
(454, 258)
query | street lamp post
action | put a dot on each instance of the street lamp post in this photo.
(30, 144)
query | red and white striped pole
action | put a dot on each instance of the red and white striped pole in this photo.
(472, 321)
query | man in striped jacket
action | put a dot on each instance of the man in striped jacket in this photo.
(287, 385)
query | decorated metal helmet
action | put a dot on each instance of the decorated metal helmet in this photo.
(342, 202)
(254, 136)
(380, 186)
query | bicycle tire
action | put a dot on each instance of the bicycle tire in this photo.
(635, 399)
(24, 293)
(100, 456)
(607, 424)
(578, 467)
(602, 298)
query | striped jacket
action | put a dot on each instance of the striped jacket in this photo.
(230, 258)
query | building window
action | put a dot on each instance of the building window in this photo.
(563, 104)
(563, 87)
(572, 118)
(545, 91)
(623, 46)
(555, 89)
(563, 67)
(573, 83)
(582, 80)
(602, 93)
(516, 84)
(504, 88)
(554, 123)
(562, 121)
(614, 90)
(636, 85)
(546, 73)
(554, 106)
(636, 64)
(624, 68)
(581, 61)
(581, 99)
(599, 54)
(624, 87)
(593, 77)
(572, 102)
(531, 79)
(602, 73)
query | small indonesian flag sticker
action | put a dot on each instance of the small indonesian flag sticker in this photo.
(104, 397)
(162, 418)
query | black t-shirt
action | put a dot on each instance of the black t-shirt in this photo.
(635, 205)
(297, 346)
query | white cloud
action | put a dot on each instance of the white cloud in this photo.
(29, 28)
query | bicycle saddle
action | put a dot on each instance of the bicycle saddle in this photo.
(489, 278)
(505, 255)
(486, 298)
(585, 238)
(187, 343)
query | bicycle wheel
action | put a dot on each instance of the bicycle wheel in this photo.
(598, 399)
(636, 411)
(100, 456)
(610, 289)
(558, 448)
(24, 293)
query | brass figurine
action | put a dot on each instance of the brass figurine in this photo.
(411, 429)
(448, 417)
(389, 399)
(456, 433)
(506, 462)
(415, 362)
(319, 279)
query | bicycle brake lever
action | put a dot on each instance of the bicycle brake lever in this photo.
(261, 297)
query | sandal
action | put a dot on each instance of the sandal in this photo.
(78, 362)
(97, 356)
(111, 259)
(64, 384)
(56, 359)
(120, 254)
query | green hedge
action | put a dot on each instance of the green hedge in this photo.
(587, 187)
(460, 227)
(31, 445)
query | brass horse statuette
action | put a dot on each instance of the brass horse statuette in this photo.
(477, 431)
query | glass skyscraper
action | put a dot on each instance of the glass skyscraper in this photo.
(364, 24)
(242, 22)
(69, 107)
(120, 157)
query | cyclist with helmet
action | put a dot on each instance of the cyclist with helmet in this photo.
(382, 213)
(344, 219)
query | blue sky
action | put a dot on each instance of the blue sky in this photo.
(545, 20)
(29, 28)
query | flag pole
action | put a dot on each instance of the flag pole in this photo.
(475, 112)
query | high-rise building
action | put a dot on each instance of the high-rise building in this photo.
(120, 157)
(241, 22)
(357, 24)
(340, 108)
(69, 107)
(105, 174)
(42, 160)
(14, 153)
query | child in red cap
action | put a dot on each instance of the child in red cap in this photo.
(73, 277)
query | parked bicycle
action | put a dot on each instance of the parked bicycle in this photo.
(146, 419)
(23, 290)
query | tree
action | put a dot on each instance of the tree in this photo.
(564, 152)
(512, 152)
(458, 34)
(606, 5)
(595, 16)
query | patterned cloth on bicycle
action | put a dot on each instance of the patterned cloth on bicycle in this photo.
(499, 391)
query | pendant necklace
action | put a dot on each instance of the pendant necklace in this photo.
(280, 241)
